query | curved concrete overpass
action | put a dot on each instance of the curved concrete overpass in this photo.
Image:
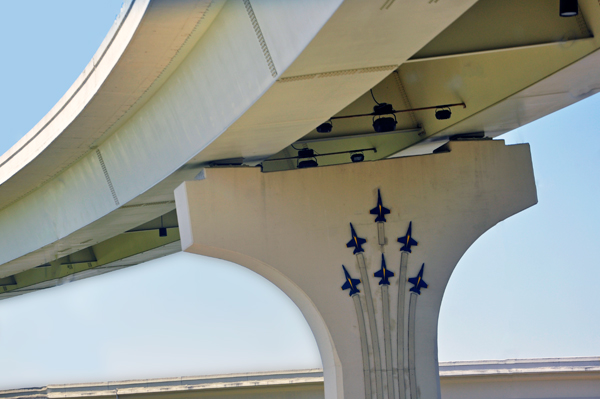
(181, 86)
(176, 86)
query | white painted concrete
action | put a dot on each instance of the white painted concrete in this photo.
(292, 227)
(221, 77)
(523, 379)
(215, 98)
(562, 378)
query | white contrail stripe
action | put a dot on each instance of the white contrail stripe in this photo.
(411, 345)
(363, 344)
(372, 324)
(381, 235)
(400, 325)
(387, 339)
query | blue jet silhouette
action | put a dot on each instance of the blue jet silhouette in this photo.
(418, 281)
(356, 241)
(350, 283)
(384, 274)
(407, 240)
(379, 210)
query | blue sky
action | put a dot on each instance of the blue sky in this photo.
(527, 288)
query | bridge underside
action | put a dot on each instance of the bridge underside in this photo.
(246, 84)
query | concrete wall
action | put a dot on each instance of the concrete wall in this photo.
(574, 378)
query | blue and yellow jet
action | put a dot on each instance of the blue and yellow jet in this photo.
(356, 242)
(384, 274)
(350, 283)
(379, 210)
(418, 281)
(407, 240)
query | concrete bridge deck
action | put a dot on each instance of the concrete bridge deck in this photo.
(180, 89)
(180, 85)
(523, 378)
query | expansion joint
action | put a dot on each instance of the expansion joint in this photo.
(261, 39)
(107, 177)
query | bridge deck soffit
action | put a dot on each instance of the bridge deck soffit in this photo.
(146, 44)
(497, 55)
(142, 243)
(251, 79)
(166, 132)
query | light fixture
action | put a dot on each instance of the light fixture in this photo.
(162, 231)
(306, 153)
(325, 127)
(306, 159)
(382, 108)
(307, 163)
(380, 124)
(386, 124)
(568, 8)
(443, 113)
(357, 157)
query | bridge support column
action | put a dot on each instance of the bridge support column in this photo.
(293, 228)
